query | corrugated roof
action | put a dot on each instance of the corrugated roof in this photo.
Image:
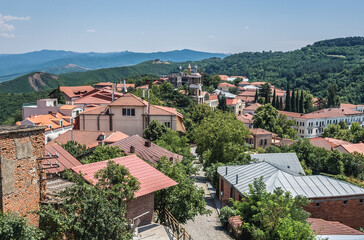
(151, 154)
(65, 159)
(150, 179)
(315, 186)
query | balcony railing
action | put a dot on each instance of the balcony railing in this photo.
(177, 230)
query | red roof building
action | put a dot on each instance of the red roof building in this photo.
(323, 227)
(147, 150)
(150, 179)
(64, 160)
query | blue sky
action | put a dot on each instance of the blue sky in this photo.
(227, 26)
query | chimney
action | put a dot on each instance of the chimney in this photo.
(132, 149)
(226, 171)
(237, 179)
(148, 143)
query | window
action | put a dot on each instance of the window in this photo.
(345, 202)
(240, 197)
(261, 142)
(361, 201)
(167, 124)
(128, 111)
(265, 141)
(222, 185)
(232, 192)
(317, 204)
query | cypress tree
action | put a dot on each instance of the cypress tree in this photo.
(274, 103)
(280, 103)
(288, 99)
(256, 96)
(302, 102)
(293, 101)
(277, 103)
(297, 101)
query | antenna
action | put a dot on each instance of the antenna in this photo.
(148, 120)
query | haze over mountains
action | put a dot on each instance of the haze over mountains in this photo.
(57, 62)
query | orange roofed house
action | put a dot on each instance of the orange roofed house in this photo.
(55, 123)
(150, 179)
(72, 93)
(129, 114)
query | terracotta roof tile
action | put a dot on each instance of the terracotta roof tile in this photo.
(323, 113)
(69, 107)
(253, 107)
(355, 147)
(245, 118)
(94, 110)
(224, 77)
(260, 131)
(150, 179)
(323, 227)
(151, 154)
(225, 84)
(161, 110)
(129, 99)
(50, 120)
(75, 91)
(89, 138)
(65, 160)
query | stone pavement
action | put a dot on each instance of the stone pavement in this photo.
(206, 227)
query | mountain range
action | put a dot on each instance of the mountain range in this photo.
(58, 62)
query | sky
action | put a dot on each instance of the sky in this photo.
(228, 26)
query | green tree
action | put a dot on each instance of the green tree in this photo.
(220, 137)
(288, 99)
(265, 92)
(15, 227)
(334, 162)
(155, 130)
(293, 101)
(102, 153)
(60, 96)
(332, 98)
(185, 200)
(256, 96)
(275, 215)
(92, 212)
(301, 103)
(274, 100)
(222, 104)
(75, 148)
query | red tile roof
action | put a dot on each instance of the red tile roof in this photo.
(150, 179)
(225, 84)
(323, 227)
(230, 101)
(69, 107)
(253, 107)
(245, 118)
(336, 142)
(50, 120)
(322, 143)
(224, 77)
(127, 85)
(129, 99)
(75, 91)
(260, 131)
(161, 110)
(65, 160)
(351, 148)
(151, 154)
(323, 113)
(94, 110)
(89, 138)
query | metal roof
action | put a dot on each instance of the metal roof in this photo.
(284, 161)
(314, 186)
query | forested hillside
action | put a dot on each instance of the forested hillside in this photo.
(312, 68)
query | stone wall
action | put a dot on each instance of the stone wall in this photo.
(20, 171)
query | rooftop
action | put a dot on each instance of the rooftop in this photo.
(313, 186)
(351, 148)
(253, 107)
(323, 113)
(89, 138)
(151, 154)
(65, 159)
(150, 179)
(75, 91)
(260, 131)
(323, 227)
(53, 120)
(129, 99)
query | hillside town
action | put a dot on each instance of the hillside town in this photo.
(169, 164)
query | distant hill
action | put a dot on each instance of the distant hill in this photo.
(13, 65)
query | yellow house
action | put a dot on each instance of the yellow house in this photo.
(129, 114)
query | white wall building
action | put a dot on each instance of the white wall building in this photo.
(312, 125)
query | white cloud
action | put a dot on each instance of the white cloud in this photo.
(246, 27)
(7, 29)
(91, 30)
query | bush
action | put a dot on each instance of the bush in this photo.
(225, 213)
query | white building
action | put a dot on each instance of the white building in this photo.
(312, 125)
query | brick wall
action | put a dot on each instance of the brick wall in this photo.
(21, 188)
(226, 189)
(140, 206)
(334, 209)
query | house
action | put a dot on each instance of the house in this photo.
(311, 125)
(90, 138)
(247, 119)
(120, 87)
(333, 230)
(351, 148)
(236, 104)
(50, 105)
(331, 199)
(150, 179)
(98, 97)
(225, 94)
(252, 108)
(56, 124)
(260, 138)
(130, 115)
(211, 100)
(71, 93)
(145, 149)
(224, 86)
